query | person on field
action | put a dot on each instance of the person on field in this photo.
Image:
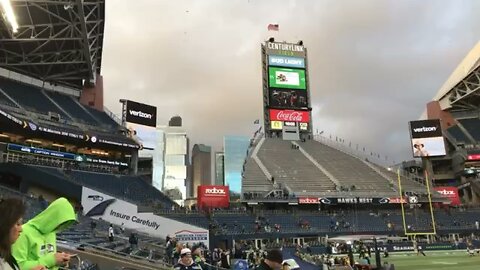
(417, 249)
(37, 245)
(111, 233)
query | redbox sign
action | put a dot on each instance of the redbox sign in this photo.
(308, 200)
(213, 197)
(289, 116)
(451, 193)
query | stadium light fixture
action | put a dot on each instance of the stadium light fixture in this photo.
(58, 145)
(9, 14)
(33, 141)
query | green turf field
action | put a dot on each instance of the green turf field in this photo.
(435, 260)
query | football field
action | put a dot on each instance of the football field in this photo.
(435, 260)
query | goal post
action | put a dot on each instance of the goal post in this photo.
(403, 202)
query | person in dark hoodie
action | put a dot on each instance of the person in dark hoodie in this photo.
(37, 245)
(273, 260)
(11, 212)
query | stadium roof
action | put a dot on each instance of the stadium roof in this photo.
(461, 90)
(57, 41)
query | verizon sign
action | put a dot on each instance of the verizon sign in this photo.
(451, 193)
(213, 197)
(289, 116)
(139, 113)
(308, 200)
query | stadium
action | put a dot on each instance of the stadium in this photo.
(325, 205)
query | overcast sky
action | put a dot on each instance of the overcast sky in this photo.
(373, 64)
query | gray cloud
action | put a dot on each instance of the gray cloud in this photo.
(373, 64)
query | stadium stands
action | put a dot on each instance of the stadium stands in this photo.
(348, 170)
(407, 183)
(5, 101)
(254, 180)
(73, 108)
(458, 134)
(290, 167)
(323, 222)
(31, 98)
(43, 102)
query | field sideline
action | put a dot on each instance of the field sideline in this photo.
(435, 260)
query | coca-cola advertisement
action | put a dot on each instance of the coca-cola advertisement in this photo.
(213, 197)
(451, 193)
(289, 116)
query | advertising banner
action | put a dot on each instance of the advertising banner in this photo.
(451, 193)
(308, 200)
(98, 205)
(473, 157)
(303, 126)
(287, 49)
(285, 61)
(213, 197)
(354, 200)
(12, 118)
(61, 155)
(427, 138)
(288, 99)
(277, 125)
(39, 151)
(139, 113)
(141, 121)
(289, 116)
(287, 78)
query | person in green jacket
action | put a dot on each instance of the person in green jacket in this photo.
(37, 245)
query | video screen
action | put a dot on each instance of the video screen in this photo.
(287, 78)
(145, 136)
(427, 138)
(288, 99)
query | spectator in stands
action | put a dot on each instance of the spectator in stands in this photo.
(177, 252)
(273, 260)
(37, 244)
(111, 233)
(133, 240)
(11, 211)
(186, 261)
(216, 255)
(93, 226)
(169, 249)
(225, 259)
(198, 258)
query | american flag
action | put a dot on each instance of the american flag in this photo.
(273, 27)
